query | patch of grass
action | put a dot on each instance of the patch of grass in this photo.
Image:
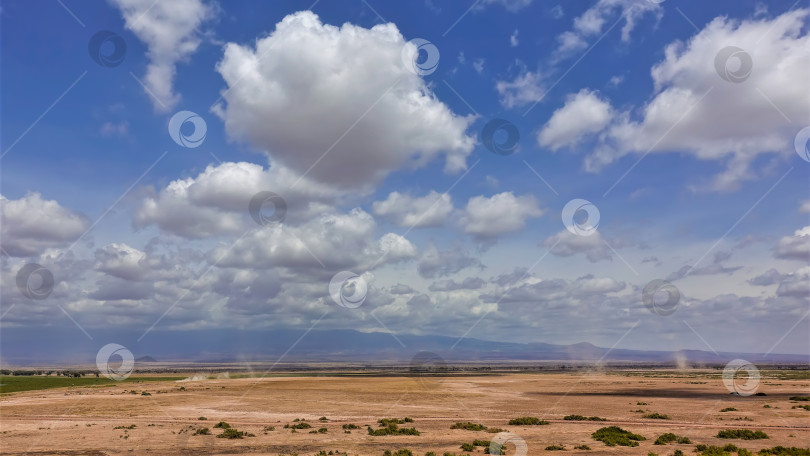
(806, 407)
(469, 426)
(555, 448)
(582, 447)
(711, 450)
(656, 416)
(323, 418)
(17, 383)
(614, 435)
(202, 418)
(222, 425)
(744, 434)
(583, 418)
(402, 452)
(729, 409)
(350, 426)
(527, 421)
(785, 451)
(800, 398)
(202, 431)
(131, 426)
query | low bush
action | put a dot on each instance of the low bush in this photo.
(614, 435)
(527, 421)
(785, 451)
(468, 426)
(583, 418)
(656, 416)
(744, 434)
(729, 409)
(202, 431)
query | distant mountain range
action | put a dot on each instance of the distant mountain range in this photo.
(20, 347)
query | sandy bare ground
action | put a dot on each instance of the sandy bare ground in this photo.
(81, 421)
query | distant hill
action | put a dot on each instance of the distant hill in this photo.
(66, 346)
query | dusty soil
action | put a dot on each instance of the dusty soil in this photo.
(81, 421)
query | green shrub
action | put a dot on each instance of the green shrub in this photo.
(392, 429)
(231, 433)
(784, 451)
(527, 421)
(468, 447)
(468, 426)
(555, 448)
(583, 418)
(729, 409)
(744, 434)
(222, 425)
(799, 398)
(614, 435)
(202, 431)
(582, 447)
(350, 426)
(656, 416)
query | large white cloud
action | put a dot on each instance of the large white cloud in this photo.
(337, 101)
(332, 241)
(502, 213)
(31, 224)
(171, 32)
(417, 212)
(215, 202)
(694, 110)
(584, 113)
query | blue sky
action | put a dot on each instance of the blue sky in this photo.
(385, 174)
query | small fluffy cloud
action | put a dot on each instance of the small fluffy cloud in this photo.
(796, 247)
(795, 285)
(470, 283)
(122, 261)
(583, 113)
(417, 212)
(593, 21)
(502, 213)
(171, 32)
(438, 263)
(526, 88)
(337, 103)
(567, 244)
(31, 224)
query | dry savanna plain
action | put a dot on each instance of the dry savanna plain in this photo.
(337, 414)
